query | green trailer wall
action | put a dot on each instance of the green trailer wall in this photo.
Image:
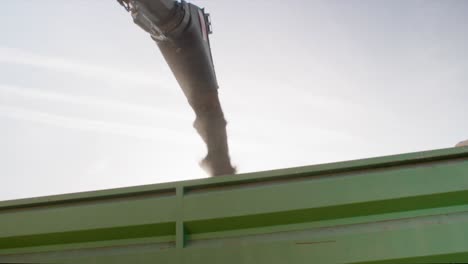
(397, 209)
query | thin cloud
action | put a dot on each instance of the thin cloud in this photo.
(108, 73)
(120, 129)
(97, 102)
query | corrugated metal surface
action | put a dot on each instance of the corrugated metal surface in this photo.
(403, 208)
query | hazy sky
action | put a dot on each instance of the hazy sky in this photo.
(87, 101)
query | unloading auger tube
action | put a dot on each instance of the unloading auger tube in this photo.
(181, 30)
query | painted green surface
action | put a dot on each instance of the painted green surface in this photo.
(405, 208)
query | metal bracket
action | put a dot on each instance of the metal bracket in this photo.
(125, 4)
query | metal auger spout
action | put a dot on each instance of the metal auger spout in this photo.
(181, 31)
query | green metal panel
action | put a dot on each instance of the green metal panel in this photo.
(405, 208)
